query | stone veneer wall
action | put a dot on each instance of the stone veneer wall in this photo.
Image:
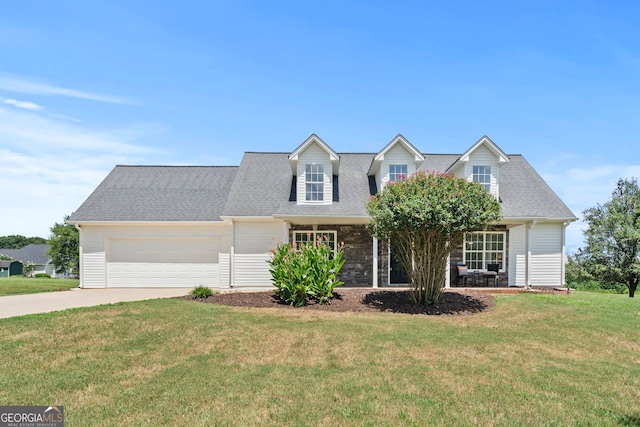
(456, 258)
(358, 252)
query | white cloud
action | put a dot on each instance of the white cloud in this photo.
(34, 133)
(51, 167)
(25, 85)
(21, 104)
(585, 187)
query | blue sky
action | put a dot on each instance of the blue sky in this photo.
(88, 85)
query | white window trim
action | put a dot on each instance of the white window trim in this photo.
(485, 251)
(321, 183)
(313, 236)
(396, 165)
(486, 185)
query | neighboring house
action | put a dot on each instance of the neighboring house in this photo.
(182, 226)
(35, 254)
(10, 268)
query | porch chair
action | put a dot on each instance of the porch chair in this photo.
(463, 274)
(492, 273)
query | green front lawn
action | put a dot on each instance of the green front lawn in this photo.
(532, 360)
(16, 285)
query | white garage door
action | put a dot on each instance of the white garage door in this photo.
(171, 263)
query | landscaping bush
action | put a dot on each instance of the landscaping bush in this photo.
(305, 273)
(603, 288)
(201, 292)
(42, 275)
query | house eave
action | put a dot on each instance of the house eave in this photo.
(532, 219)
(147, 223)
(333, 156)
(501, 156)
(320, 219)
(418, 157)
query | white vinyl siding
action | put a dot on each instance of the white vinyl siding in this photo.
(253, 244)
(517, 256)
(546, 255)
(314, 156)
(92, 267)
(482, 156)
(397, 155)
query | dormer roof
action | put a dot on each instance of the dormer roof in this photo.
(501, 157)
(314, 139)
(399, 139)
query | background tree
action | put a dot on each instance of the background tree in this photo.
(575, 270)
(17, 241)
(64, 247)
(612, 252)
(424, 218)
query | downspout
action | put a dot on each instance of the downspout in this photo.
(80, 257)
(528, 263)
(232, 256)
(564, 253)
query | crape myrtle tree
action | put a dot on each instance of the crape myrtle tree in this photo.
(64, 247)
(612, 237)
(424, 218)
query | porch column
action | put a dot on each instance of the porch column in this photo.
(287, 226)
(232, 256)
(528, 253)
(375, 262)
(447, 277)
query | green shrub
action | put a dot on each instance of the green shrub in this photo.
(599, 287)
(305, 273)
(201, 291)
(42, 275)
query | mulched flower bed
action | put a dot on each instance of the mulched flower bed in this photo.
(366, 300)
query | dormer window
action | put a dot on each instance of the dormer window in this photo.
(482, 175)
(314, 181)
(397, 173)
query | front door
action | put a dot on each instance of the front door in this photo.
(397, 275)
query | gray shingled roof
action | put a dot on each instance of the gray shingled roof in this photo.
(159, 193)
(35, 253)
(262, 184)
(523, 193)
(353, 191)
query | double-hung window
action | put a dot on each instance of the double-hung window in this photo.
(484, 248)
(482, 175)
(397, 173)
(314, 181)
(315, 237)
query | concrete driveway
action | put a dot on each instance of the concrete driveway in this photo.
(19, 305)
